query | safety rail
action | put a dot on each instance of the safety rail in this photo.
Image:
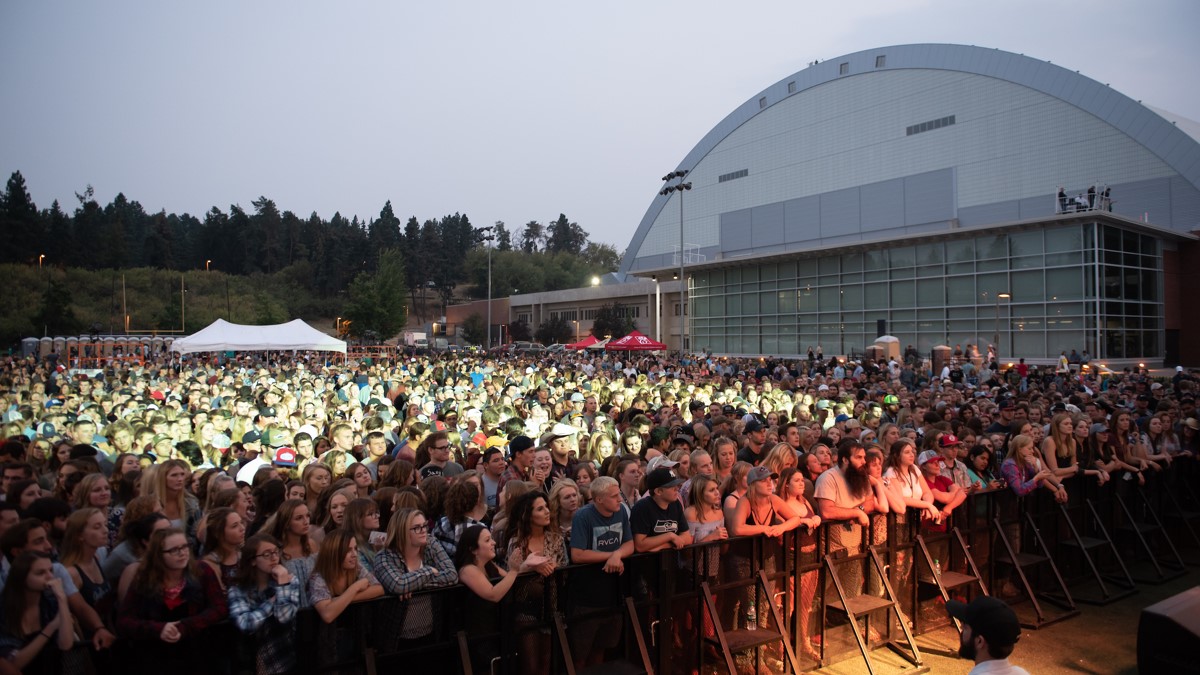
(790, 603)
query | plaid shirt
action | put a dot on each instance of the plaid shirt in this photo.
(396, 578)
(269, 615)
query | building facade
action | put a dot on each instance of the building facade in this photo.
(942, 194)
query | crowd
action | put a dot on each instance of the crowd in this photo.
(177, 516)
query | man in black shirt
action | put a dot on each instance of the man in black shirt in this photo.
(756, 437)
(657, 519)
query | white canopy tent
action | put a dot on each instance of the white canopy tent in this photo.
(222, 336)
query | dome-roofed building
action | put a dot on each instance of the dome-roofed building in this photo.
(956, 194)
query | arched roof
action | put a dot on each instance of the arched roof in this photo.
(1177, 148)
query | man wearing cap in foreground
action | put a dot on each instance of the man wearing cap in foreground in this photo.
(989, 633)
(558, 441)
(657, 519)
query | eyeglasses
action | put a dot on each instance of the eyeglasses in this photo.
(177, 550)
(273, 554)
(441, 447)
(419, 528)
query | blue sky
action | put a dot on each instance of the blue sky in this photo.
(504, 111)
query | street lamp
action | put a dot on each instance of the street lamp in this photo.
(206, 265)
(40, 259)
(680, 187)
(1006, 296)
(576, 329)
(488, 239)
(595, 281)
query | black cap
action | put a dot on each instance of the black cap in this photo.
(753, 425)
(520, 444)
(661, 478)
(989, 617)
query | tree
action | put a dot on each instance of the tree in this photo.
(519, 331)
(532, 237)
(473, 329)
(503, 237)
(384, 232)
(20, 225)
(377, 300)
(565, 237)
(602, 256)
(612, 321)
(55, 316)
(555, 330)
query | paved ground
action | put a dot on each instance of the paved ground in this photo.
(1100, 640)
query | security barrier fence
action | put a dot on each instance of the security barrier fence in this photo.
(790, 603)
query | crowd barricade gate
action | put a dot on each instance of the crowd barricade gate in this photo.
(1180, 504)
(1086, 536)
(1136, 517)
(947, 579)
(1024, 526)
(844, 602)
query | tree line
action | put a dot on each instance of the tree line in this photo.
(439, 256)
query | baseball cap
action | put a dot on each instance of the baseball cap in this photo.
(577, 398)
(285, 457)
(841, 418)
(661, 478)
(891, 399)
(948, 440)
(759, 473)
(267, 411)
(251, 436)
(661, 461)
(989, 617)
(929, 456)
(496, 442)
(1099, 428)
(753, 425)
(520, 444)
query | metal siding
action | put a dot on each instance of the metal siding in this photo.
(802, 219)
(1153, 196)
(1185, 204)
(929, 197)
(840, 214)
(735, 230)
(1036, 207)
(767, 225)
(882, 205)
(1000, 212)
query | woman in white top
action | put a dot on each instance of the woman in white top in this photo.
(902, 479)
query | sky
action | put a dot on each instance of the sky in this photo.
(511, 111)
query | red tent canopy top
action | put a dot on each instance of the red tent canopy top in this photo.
(635, 341)
(584, 343)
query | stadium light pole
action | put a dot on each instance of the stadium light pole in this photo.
(679, 186)
(490, 237)
(1006, 296)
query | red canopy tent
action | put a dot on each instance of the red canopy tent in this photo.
(584, 343)
(635, 342)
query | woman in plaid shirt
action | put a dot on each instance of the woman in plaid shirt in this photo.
(263, 603)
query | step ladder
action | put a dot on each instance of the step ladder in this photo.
(732, 641)
(464, 652)
(1178, 512)
(863, 605)
(639, 664)
(1089, 545)
(1164, 570)
(950, 580)
(1024, 561)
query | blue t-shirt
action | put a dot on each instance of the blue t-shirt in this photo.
(591, 586)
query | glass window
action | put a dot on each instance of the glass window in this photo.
(1027, 262)
(807, 299)
(829, 265)
(875, 260)
(852, 297)
(1064, 284)
(1029, 285)
(750, 304)
(829, 299)
(786, 303)
(960, 251)
(1149, 285)
(960, 290)
(875, 296)
(931, 293)
(852, 262)
(807, 267)
(1063, 239)
(1029, 342)
(903, 294)
(902, 256)
(1025, 243)
(768, 272)
(990, 285)
(991, 247)
(930, 254)
(769, 303)
(733, 305)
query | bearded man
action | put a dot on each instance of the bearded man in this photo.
(841, 494)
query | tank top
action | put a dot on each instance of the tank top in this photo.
(771, 519)
(93, 593)
(228, 573)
